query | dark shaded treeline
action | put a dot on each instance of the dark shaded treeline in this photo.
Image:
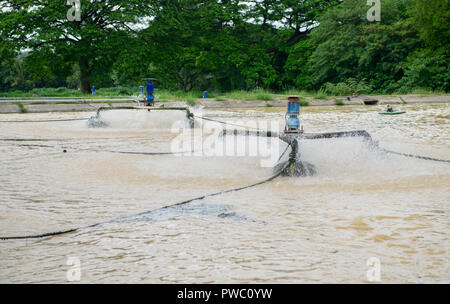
(227, 45)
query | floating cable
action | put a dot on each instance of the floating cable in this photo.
(45, 120)
(36, 236)
(416, 156)
(285, 150)
(226, 123)
(66, 149)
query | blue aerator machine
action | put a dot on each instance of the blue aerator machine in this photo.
(150, 98)
(292, 120)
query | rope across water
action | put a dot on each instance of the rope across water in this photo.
(142, 213)
(415, 156)
(45, 120)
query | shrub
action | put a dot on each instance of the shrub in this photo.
(190, 101)
(304, 102)
(262, 95)
(61, 90)
(257, 94)
(321, 94)
(339, 102)
(27, 85)
(21, 107)
(350, 87)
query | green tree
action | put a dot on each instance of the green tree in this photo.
(426, 70)
(429, 64)
(432, 21)
(297, 67)
(93, 42)
(338, 43)
(349, 46)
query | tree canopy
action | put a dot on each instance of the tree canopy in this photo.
(225, 45)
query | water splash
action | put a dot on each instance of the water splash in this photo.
(208, 210)
(140, 119)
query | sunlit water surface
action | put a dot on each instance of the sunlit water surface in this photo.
(361, 203)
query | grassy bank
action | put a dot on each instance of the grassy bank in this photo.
(190, 97)
(65, 92)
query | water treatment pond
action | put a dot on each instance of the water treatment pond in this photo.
(361, 204)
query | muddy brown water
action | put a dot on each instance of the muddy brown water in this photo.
(361, 204)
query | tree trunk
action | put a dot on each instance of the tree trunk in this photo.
(84, 68)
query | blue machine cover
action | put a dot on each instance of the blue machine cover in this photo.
(293, 107)
(150, 87)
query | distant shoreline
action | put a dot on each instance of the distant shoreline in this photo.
(81, 104)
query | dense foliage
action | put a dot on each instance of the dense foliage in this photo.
(226, 45)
